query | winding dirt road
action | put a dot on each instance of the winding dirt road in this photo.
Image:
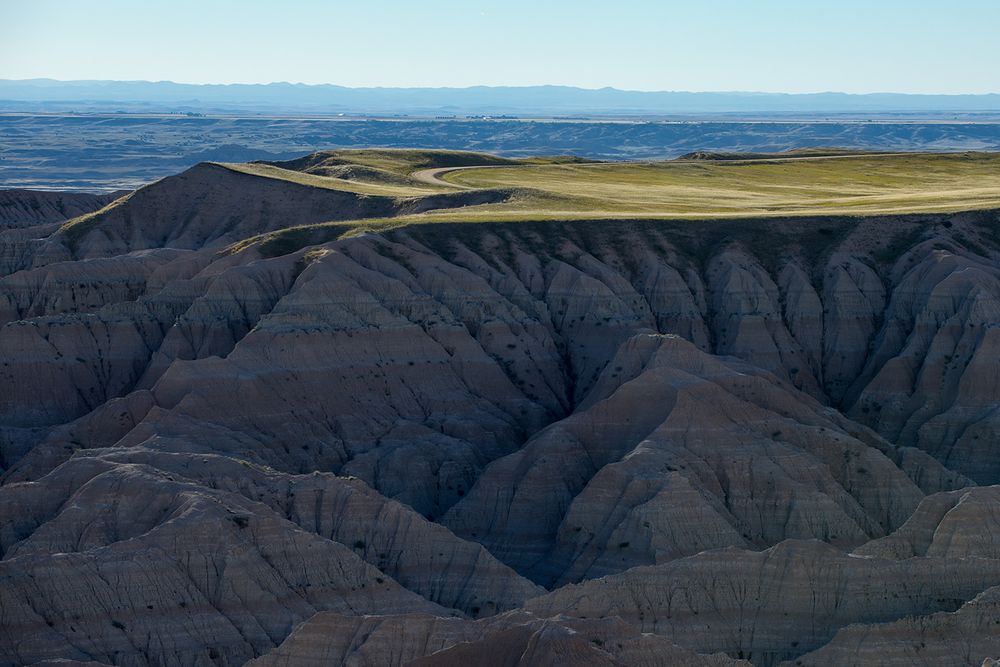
(432, 176)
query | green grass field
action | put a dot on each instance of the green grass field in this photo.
(816, 182)
(724, 185)
(859, 184)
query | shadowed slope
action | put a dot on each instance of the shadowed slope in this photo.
(25, 208)
(696, 419)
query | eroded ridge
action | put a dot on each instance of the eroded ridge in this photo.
(600, 441)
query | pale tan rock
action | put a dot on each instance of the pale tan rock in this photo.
(677, 307)
(69, 663)
(571, 642)
(521, 327)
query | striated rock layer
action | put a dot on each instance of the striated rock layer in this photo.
(720, 454)
(969, 636)
(512, 639)
(608, 443)
(771, 605)
(27, 208)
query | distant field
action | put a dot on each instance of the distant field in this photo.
(109, 152)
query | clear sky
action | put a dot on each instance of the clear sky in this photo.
(859, 46)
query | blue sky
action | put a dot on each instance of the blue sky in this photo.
(761, 45)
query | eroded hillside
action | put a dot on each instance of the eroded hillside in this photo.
(227, 440)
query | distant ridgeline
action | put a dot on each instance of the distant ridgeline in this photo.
(51, 95)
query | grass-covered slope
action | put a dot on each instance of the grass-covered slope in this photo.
(216, 203)
(287, 205)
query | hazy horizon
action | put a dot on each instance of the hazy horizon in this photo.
(915, 47)
(533, 101)
(501, 86)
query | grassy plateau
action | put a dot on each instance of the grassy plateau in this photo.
(849, 184)
(702, 186)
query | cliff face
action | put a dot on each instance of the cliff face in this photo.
(217, 455)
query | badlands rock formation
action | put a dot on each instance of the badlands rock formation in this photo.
(629, 443)
(962, 637)
(771, 605)
(26, 208)
(516, 638)
(956, 524)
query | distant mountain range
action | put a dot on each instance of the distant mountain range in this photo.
(166, 96)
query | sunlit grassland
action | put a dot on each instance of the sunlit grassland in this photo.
(867, 184)
(680, 190)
